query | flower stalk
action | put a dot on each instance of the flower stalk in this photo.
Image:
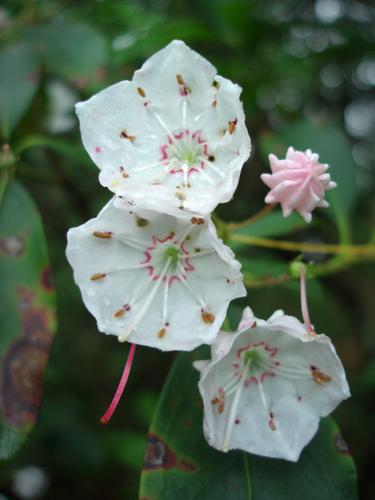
(355, 251)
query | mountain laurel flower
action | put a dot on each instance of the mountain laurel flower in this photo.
(154, 279)
(298, 182)
(267, 385)
(173, 138)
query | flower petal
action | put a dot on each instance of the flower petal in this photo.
(154, 279)
(265, 376)
(173, 139)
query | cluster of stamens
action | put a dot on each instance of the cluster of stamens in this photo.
(253, 364)
(167, 251)
(166, 260)
(185, 153)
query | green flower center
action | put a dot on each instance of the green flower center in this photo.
(190, 157)
(253, 358)
(173, 253)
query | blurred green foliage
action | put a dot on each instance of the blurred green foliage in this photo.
(307, 69)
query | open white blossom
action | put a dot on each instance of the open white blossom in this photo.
(154, 279)
(267, 385)
(173, 138)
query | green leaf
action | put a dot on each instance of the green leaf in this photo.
(68, 48)
(27, 316)
(180, 464)
(131, 454)
(18, 84)
(332, 146)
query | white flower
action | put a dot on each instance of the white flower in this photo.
(154, 279)
(173, 138)
(267, 385)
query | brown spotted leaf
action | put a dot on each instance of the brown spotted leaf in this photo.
(180, 464)
(27, 316)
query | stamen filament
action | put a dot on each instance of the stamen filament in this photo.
(165, 302)
(184, 233)
(147, 167)
(185, 171)
(184, 111)
(234, 406)
(173, 147)
(232, 380)
(187, 285)
(212, 167)
(202, 253)
(143, 310)
(263, 397)
(232, 388)
(130, 268)
(206, 176)
(120, 389)
(125, 240)
(164, 126)
(287, 371)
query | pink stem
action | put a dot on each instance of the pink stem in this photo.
(120, 389)
(304, 306)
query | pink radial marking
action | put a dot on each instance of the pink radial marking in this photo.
(256, 378)
(267, 348)
(156, 240)
(269, 373)
(147, 259)
(251, 379)
(197, 136)
(187, 265)
(266, 374)
(164, 154)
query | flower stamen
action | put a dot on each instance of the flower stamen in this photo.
(234, 406)
(147, 303)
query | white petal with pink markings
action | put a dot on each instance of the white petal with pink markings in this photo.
(173, 138)
(154, 279)
(267, 385)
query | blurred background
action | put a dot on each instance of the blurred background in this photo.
(302, 65)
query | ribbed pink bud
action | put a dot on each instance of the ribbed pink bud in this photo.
(298, 182)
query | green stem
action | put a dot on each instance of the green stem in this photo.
(226, 325)
(247, 473)
(267, 281)
(367, 250)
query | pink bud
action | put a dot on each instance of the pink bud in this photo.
(298, 182)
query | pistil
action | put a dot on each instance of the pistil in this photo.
(120, 389)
